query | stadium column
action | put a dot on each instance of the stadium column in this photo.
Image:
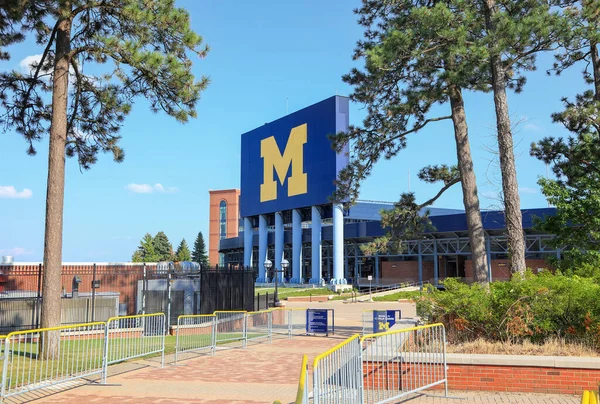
(262, 248)
(338, 245)
(278, 244)
(247, 242)
(296, 247)
(316, 262)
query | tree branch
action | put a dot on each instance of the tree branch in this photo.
(444, 189)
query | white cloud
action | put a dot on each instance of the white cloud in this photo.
(16, 251)
(531, 127)
(149, 189)
(8, 191)
(527, 190)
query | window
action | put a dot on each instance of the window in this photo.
(223, 219)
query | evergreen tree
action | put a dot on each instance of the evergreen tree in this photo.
(515, 31)
(145, 252)
(97, 57)
(162, 247)
(576, 161)
(199, 254)
(183, 252)
(414, 54)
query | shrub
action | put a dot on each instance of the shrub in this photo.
(534, 308)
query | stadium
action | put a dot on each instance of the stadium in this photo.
(283, 211)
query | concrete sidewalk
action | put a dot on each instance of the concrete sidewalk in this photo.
(261, 374)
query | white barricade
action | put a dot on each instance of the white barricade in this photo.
(258, 325)
(37, 359)
(196, 333)
(231, 327)
(131, 337)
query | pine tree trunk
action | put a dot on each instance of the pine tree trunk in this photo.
(51, 302)
(595, 68)
(469, 186)
(510, 185)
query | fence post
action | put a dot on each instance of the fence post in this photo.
(93, 292)
(168, 319)
(359, 370)
(162, 359)
(105, 353)
(144, 291)
(176, 339)
(245, 331)
(39, 297)
(5, 367)
(214, 335)
(445, 364)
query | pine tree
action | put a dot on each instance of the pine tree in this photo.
(162, 247)
(183, 252)
(145, 252)
(515, 32)
(199, 254)
(414, 60)
(98, 56)
(576, 161)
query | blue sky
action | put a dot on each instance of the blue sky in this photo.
(266, 56)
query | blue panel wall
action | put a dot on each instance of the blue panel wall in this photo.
(321, 163)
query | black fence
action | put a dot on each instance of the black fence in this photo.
(95, 293)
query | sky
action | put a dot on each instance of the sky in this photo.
(267, 57)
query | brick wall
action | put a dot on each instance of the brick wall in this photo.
(501, 268)
(526, 379)
(231, 196)
(405, 271)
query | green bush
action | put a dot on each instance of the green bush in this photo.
(535, 307)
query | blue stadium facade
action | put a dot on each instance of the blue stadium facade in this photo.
(288, 170)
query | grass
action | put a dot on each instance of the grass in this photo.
(283, 293)
(553, 347)
(399, 295)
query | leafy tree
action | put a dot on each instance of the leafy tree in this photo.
(98, 57)
(576, 161)
(145, 252)
(414, 60)
(199, 254)
(183, 252)
(162, 247)
(514, 32)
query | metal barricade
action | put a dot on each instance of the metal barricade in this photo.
(337, 374)
(258, 325)
(231, 327)
(368, 320)
(131, 337)
(195, 333)
(280, 322)
(297, 322)
(37, 359)
(302, 394)
(398, 363)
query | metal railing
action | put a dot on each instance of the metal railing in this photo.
(398, 363)
(370, 316)
(337, 374)
(258, 325)
(231, 327)
(196, 333)
(35, 359)
(132, 337)
(382, 367)
(302, 394)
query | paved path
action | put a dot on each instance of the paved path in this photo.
(259, 374)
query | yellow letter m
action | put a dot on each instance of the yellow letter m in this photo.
(280, 163)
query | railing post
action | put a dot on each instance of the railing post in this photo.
(5, 367)
(360, 371)
(445, 364)
(177, 339)
(105, 353)
(165, 330)
(214, 335)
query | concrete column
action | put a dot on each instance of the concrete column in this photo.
(317, 275)
(247, 242)
(296, 247)
(436, 269)
(338, 245)
(488, 251)
(356, 274)
(262, 248)
(278, 244)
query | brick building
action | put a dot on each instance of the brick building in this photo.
(224, 220)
